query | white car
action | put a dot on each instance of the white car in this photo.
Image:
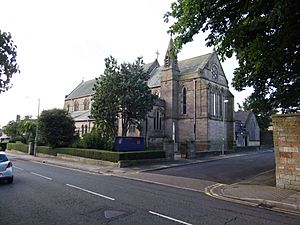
(6, 168)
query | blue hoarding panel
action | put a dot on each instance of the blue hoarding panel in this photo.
(129, 144)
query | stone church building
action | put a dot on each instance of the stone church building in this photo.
(195, 104)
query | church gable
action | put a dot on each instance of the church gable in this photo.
(151, 67)
(213, 71)
(186, 67)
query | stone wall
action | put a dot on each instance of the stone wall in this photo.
(286, 132)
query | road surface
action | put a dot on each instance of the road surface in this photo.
(44, 194)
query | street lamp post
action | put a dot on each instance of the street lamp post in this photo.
(36, 130)
(224, 127)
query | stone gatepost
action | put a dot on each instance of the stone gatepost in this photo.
(169, 148)
(286, 133)
(30, 148)
(191, 149)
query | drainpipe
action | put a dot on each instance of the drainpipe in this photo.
(195, 108)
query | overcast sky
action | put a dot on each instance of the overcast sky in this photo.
(61, 42)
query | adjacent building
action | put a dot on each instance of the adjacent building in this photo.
(247, 131)
(195, 104)
(78, 104)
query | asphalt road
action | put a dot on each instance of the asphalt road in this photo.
(43, 194)
(227, 171)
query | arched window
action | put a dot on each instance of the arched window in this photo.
(211, 102)
(184, 100)
(86, 128)
(132, 127)
(86, 104)
(157, 121)
(221, 103)
(215, 102)
(76, 106)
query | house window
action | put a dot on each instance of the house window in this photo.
(86, 128)
(76, 106)
(184, 100)
(68, 108)
(86, 104)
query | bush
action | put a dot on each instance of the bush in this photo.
(94, 140)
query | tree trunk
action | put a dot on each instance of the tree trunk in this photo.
(124, 127)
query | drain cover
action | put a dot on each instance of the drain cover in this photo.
(112, 213)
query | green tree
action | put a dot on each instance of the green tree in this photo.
(27, 128)
(23, 130)
(264, 35)
(12, 129)
(122, 92)
(56, 128)
(8, 63)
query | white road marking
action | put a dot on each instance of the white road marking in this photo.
(18, 168)
(91, 192)
(169, 218)
(48, 178)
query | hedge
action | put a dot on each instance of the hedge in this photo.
(92, 153)
(18, 146)
(46, 150)
(111, 156)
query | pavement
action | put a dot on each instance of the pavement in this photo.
(258, 191)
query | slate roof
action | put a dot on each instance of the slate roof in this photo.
(149, 67)
(193, 64)
(82, 90)
(154, 69)
(241, 116)
(185, 66)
